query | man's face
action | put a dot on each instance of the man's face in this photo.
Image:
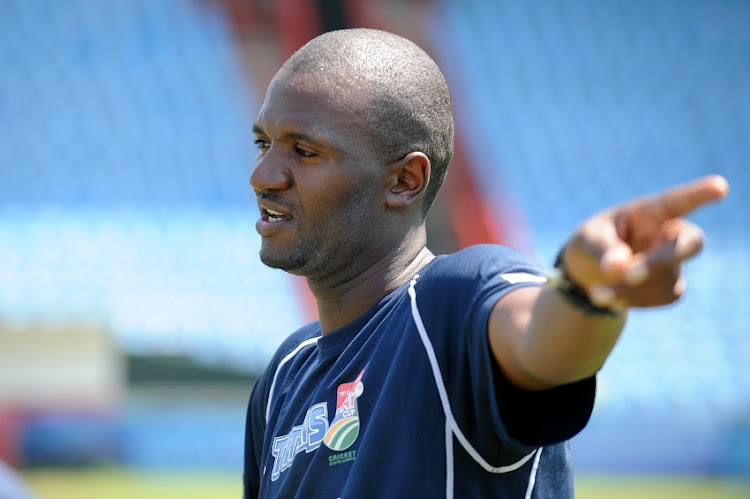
(316, 179)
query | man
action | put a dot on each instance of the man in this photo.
(461, 375)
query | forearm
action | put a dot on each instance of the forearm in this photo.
(562, 344)
(540, 340)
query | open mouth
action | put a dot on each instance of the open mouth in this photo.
(273, 216)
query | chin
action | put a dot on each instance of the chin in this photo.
(291, 262)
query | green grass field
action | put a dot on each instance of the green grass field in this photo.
(123, 484)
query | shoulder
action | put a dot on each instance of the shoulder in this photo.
(464, 285)
(306, 335)
(478, 263)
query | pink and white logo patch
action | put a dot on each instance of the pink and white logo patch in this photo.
(344, 428)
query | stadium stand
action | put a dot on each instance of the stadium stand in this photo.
(125, 159)
(126, 150)
(576, 106)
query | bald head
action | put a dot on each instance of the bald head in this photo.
(408, 105)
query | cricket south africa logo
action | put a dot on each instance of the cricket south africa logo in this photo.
(344, 428)
(314, 430)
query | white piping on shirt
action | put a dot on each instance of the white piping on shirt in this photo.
(451, 424)
(516, 277)
(448, 460)
(532, 475)
(286, 359)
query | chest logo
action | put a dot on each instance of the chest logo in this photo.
(307, 437)
(344, 428)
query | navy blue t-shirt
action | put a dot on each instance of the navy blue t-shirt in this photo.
(407, 400)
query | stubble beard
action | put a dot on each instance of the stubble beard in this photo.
(292, 261)
(316, 257)
(318, 253)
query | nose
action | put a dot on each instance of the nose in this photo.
(269, 173)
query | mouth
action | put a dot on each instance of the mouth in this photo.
(272, 216)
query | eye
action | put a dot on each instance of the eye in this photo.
(303, 153)
(261, 144)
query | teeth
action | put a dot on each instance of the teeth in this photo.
(275, 216)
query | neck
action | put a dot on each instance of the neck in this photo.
(340, 303)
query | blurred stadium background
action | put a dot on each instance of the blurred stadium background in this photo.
(135, 315)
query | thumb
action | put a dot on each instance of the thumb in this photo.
(620, 264)
(615, 261)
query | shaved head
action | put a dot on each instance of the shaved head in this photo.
(408, 105)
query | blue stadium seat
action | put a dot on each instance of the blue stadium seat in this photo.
(575, 106)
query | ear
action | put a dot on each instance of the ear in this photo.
(407, 179)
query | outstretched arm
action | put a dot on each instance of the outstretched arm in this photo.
(627, 256)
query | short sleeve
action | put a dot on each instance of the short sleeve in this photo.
(537, 418)
(526, 418)
(501, 421)
(255, 426)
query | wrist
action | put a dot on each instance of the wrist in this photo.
(575, 294)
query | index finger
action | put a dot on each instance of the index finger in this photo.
(682, 199)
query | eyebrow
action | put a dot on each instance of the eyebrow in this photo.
(302, 137)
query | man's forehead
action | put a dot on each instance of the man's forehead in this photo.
(313, 97)
(334, 88)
